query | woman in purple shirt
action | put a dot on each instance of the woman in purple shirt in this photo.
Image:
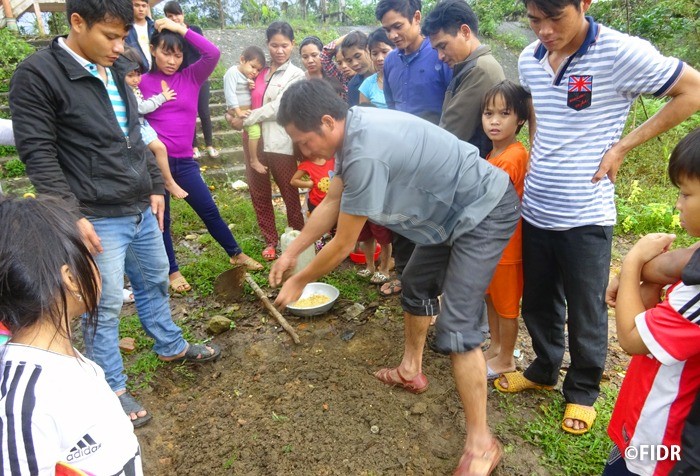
(174, 122)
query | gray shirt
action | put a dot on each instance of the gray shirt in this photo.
(414, 177)
(236, 88)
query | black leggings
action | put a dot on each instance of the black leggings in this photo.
(204, 116)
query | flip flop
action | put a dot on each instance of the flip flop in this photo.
(131, 405)
(484, 463)
(198, 353)
(393, 288)
(269, 253)
(364, 273)
(578, 412)
(180, 285)
(127, 296)
(517, 383)
(417, 384)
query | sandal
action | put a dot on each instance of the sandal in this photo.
(574, 411)
(379, 278)
(213, 153)
(364, 273)
(471, 464)
(130, 405)
(391, 288)
(242, 259)
(269, 253)
(517, 383)
(417, 384)
(198, 353)
(180, 285)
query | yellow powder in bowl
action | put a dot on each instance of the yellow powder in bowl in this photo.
(314, 300)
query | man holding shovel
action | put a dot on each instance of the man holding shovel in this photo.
(421, 181)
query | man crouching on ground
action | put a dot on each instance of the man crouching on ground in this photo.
(421, 181)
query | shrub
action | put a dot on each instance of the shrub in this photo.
(13, 168)
(670, 25)
(12, 50)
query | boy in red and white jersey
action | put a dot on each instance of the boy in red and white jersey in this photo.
(663, 377)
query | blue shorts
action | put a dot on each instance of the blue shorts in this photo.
(147, 133)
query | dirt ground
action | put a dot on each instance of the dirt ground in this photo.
(268, 406)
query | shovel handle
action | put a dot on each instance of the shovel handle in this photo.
(275, 313)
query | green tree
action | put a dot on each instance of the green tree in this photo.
(673, 26)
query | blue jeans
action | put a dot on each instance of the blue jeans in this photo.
(188, 176)
(132, 244)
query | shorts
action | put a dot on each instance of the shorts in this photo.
(253, 131)
(462, 273)
(506, 289)
(147, 133)
(372, 230)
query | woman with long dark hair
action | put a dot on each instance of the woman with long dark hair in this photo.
(174, 122)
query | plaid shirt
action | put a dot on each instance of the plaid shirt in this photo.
(330, 67)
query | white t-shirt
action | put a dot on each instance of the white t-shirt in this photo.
(144, 41)
(6, 135)
(58, 408)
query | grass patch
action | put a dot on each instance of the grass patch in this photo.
(352, 286)
(143, 363)
(563, 454)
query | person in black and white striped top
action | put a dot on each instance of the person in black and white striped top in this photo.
(56, 408)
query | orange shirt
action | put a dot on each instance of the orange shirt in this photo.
(513, 161)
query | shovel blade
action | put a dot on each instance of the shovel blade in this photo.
(228, 286)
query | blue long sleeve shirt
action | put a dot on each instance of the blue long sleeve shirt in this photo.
(416, 82)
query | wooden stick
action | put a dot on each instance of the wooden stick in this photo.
(275, 313)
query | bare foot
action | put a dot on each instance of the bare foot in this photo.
(258, 166)
(492, 352)
(175, 190)
(498, 366)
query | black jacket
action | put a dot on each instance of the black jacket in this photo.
(132, 40)
(68, 136)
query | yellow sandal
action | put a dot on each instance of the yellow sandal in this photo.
(578, 412)
(517, 383)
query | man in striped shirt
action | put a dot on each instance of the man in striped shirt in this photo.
(583, 78)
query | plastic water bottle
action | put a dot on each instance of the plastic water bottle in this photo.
(305, 256)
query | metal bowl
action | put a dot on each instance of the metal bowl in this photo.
(316, 288)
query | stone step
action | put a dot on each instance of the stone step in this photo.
(217, 97)
(226, 141)
(228, 167)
